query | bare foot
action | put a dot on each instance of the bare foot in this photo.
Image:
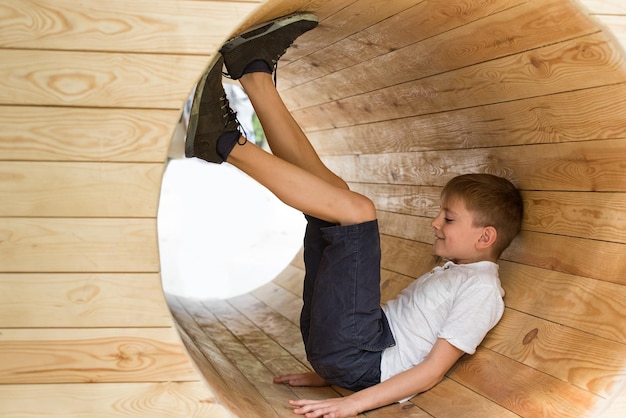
(302, 379)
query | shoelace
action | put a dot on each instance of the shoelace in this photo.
(230, 116)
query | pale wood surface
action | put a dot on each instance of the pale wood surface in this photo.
(82, 300)
(81, 134)
(397, 97)
(90, 96)
(142, 400)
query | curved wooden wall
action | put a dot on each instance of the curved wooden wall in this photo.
(398, 97)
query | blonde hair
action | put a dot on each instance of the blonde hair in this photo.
(493, 201)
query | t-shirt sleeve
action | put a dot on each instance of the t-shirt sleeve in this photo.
(476, 310)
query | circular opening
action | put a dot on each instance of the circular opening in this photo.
(222, 234)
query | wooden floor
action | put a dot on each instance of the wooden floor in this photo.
(241, 343)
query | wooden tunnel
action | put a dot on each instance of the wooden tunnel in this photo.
(398, 97)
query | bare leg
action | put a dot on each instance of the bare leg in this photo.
(284, 135)
(300, 188)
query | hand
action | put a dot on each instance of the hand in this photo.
(302, 379)
(326, 408)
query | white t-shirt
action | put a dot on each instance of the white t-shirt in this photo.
(457, 302)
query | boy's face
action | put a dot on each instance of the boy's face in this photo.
(456, 237)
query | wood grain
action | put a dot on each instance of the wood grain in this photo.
(60, 189)
(141, 400)
(549, 70)
(92, 79)
(592, 306)
(78, 245)
(394, 30)
(576, 357)
(92, 355)
(576, 166)
(580, 115)
(76, 300)
(498, 35)
(219, 372)
(79, 134)
(521, 389)
(450, 399)
(192, 27)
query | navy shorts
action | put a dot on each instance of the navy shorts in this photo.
(343, 326)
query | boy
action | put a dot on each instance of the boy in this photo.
(385, 354)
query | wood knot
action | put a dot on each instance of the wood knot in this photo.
(530, 336)
(408, 406)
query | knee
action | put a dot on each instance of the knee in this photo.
(360, 209)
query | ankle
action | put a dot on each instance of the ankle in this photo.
(227, 141)
(256, 79)
(257, 66)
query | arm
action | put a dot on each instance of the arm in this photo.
(418, 379)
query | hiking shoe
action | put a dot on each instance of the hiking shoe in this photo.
(267, 42)
(210, 115)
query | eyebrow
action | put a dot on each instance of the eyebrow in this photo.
(450, 211)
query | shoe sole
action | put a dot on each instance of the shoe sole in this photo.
(268, 27)
(195, 109)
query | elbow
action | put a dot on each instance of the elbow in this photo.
(434, 381)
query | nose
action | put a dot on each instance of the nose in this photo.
(436, 223)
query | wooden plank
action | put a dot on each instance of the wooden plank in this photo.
(92, 79)
(586, 215)
(92, 355)
(592, 306)
(393, 31)
(340, 19)
(291, 279)
(570, 255)
(181, 27)
(253, 365)
(392, 283)
(581, 359)
(277, 327)
(281, 300)
(78, 245)
(140, 400)
(231, 387)
(406, 257)
(586, 62)
(450, 399)
(75, 134)
(580, 115)
(529, 26)
(596, 166)
(604, 6)
(82, 300)
(519, 388)
(405, 409)
(51, 189)
(406, 199)
(261, 348)
(323, 9)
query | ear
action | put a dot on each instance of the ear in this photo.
(487, 238)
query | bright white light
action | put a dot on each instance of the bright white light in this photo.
(221, 233)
